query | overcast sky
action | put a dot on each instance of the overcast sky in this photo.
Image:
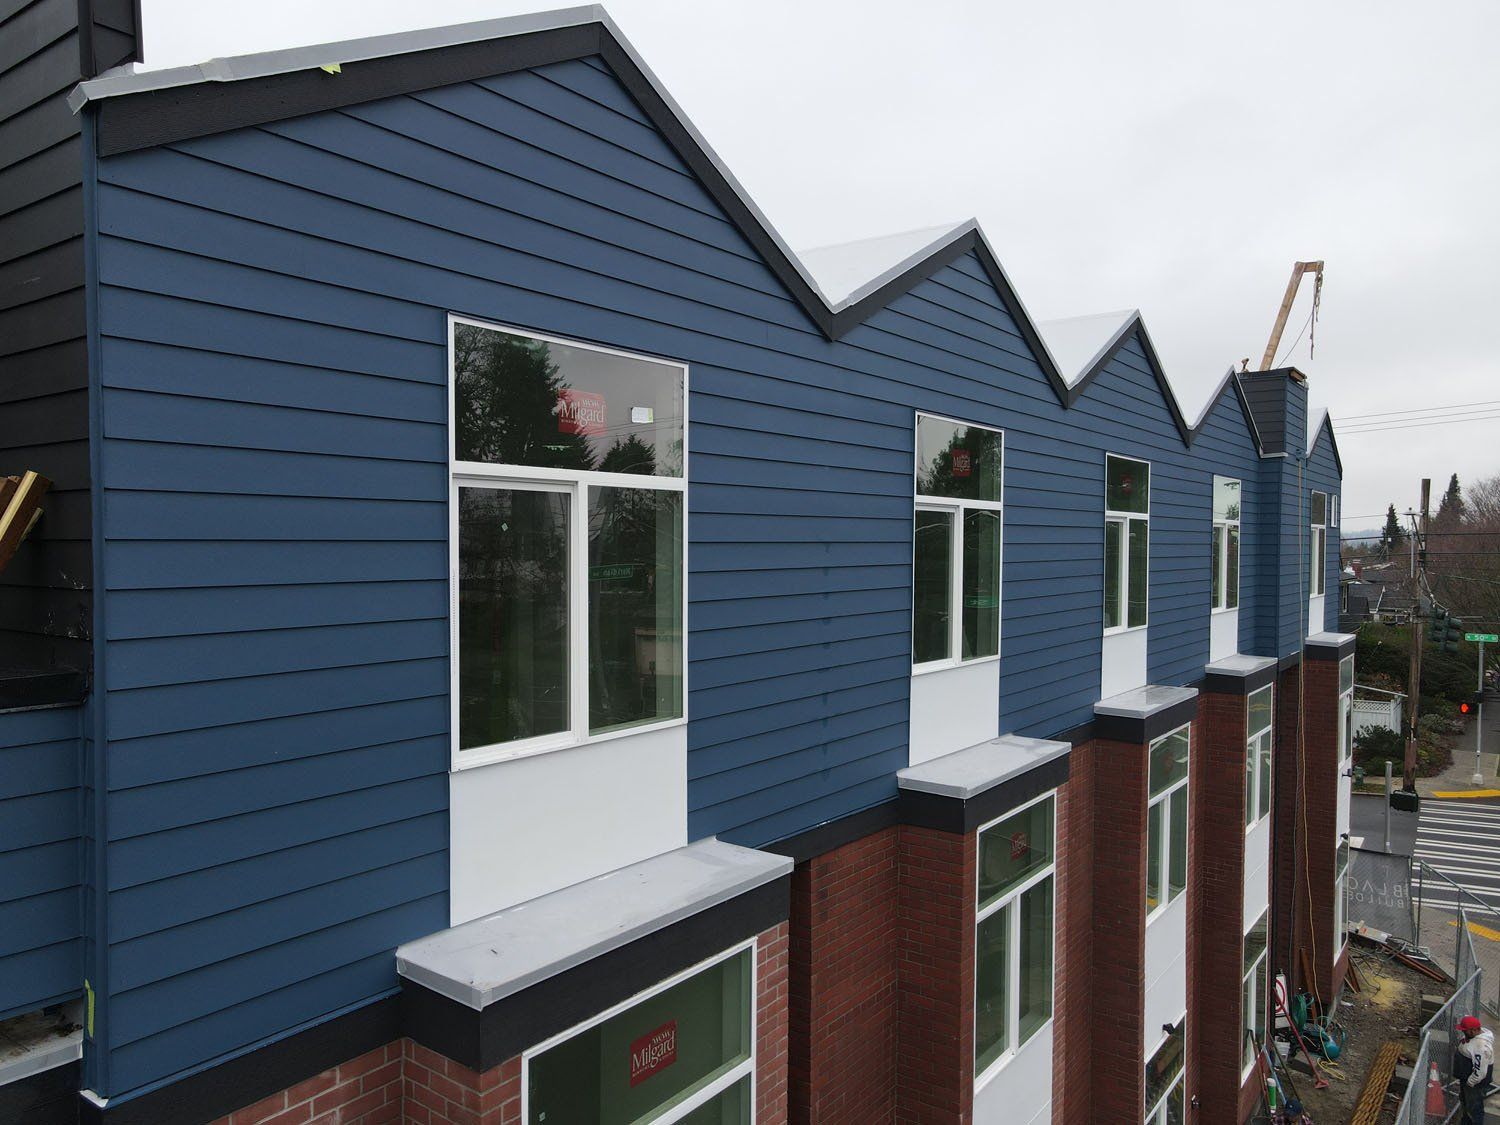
(1172, 157)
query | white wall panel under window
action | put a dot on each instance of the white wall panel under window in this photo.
(1257, 871)
(1223, 633)
(953, 708)
(524, 827)
(1123, 664)
(1166, 969)
(1021, 1090)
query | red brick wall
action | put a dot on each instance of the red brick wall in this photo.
(405, 1082)
(1118, 1075)
(935, 1058)
(1286, 909)
(1321, 700)
(1073, 986)
(844, 962)
(363, 1091)
(1216, 849)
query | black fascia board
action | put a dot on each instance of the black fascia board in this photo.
(1239, 685)
(1139, 731)
(961, 816)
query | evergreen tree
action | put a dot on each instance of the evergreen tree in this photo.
(1391, 537)
(1450, 511)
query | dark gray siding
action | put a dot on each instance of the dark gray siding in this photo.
(40, 905)
(45, 611)
(1323, 475)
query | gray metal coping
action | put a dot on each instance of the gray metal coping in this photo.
(1143, 702)
(1330, 640)
(480, 962)
(968, 772)
(1239, 665)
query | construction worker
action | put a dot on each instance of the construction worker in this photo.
(1474, 1067)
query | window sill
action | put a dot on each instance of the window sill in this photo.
(949, 665)
(1256, 823)
(1162, 909)
(1225, 609)
(990, 1072)
(532, 748)
(1120, 630)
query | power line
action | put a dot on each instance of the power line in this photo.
(1417, 410)
(1372, 428)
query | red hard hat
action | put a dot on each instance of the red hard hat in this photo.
(1469, 1023)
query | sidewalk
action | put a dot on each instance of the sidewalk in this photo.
(1458, 779)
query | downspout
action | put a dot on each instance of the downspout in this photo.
(96, 1074)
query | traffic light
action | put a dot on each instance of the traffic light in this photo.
(1452, 634)
(1439, 624)
(1470, 705)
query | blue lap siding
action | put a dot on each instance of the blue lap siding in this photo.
(41, 804)
(1323, 474)
(272, 308)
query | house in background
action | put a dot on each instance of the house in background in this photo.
(559, 655)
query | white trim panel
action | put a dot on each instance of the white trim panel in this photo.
(952, 709)
(1257, 872)
(1021, 1090)
(1223, 633)
(527, 826)
(1122, 662)
(1166, 971)
(1315, 612)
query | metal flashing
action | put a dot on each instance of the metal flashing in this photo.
(966, 773)
(490, 958)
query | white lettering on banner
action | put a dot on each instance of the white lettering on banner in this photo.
(581, 412)
(652, 1052)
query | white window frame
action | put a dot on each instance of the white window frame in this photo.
(1157, 1114)
(955, 508)
(1317, 562)
(1259, 743)
(575, 484)
(1164, 799)
(1340, 893)
(1221, 563)
(1123, 518)
(1013, 942)
(710, 1091)
(1257, 978)
(1346, 715)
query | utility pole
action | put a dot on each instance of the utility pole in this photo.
(1414, 687)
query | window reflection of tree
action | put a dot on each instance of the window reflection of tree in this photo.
(938, 478)
(505, 402)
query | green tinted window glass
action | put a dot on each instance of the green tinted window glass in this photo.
(1258, 709)
(1140, 572)
(981, 578)
(523, 401)
(650, 1056)
(1255, 944)
(1014, 849)
(1114, 533)
(957, 461)
(931, 595)
(1346, 674)
(1154, 816)
(1319, 509)
(1232, 569)
(1035, 994)
(991, 985)
(1127, 486)
(1177, 844)
(1216, 552)
(635, 607)
(512, 615)
(732, 1107)
(1165, 1065)
(1226, 498)
(1265, 773)
(1169, 760)
(1252, 766)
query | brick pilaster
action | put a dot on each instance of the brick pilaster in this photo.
(1217, 873)
(1073, 987)
(1321, 706)
(935, 1059)
(1287, 909)
(1118, 1078)
(844, 966)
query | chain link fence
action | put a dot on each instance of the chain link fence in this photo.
(1451, 946)
(1460, 931)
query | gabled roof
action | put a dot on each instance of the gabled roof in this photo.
(838, 287)
(1314, 432)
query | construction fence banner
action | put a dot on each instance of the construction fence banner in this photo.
(1379, 893)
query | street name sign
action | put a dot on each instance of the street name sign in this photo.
(1485, 638)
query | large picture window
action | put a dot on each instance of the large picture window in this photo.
(1346, 711)
(1127, 550)
(1253, 994)
(1164, 1079)
(568, 558)
(1318, 559)
(1167, 820)
(1258, 743)
(1340, 897)
(1013, 946)
(956, 545)
(683, 1053)
(1225, 580)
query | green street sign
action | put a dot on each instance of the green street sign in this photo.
(1485, 638)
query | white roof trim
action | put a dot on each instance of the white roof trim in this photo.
(1077, 343)
(1314, 430)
